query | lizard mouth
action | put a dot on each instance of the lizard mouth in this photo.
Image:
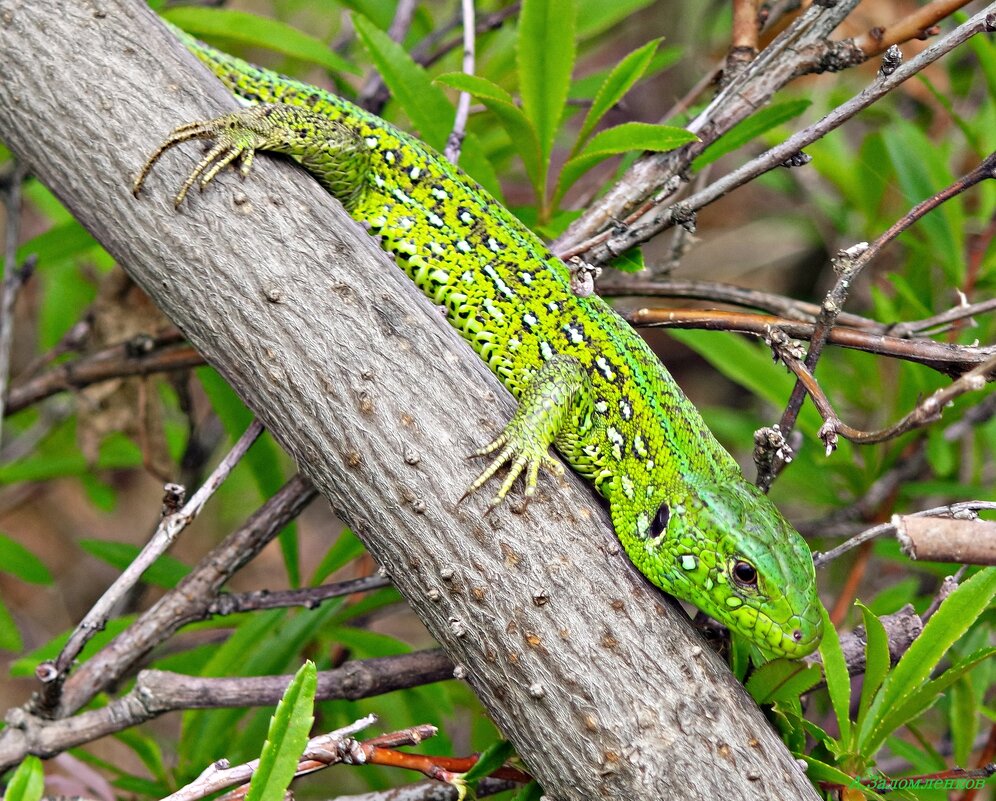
(799, 638)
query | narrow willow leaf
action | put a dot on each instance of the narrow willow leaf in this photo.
(545, 53)
(921, 166)
(818, 771)
(626, 138)
(954, 617)
(28, 781)
(587, 87)
(622, 78)
(751, 128)
(837, 678)
(782, 679)
(597, 16)
(287, 737)
(424, 103)
(531, 792)
(915, 703)
(10, 637)
(964, 717)
(19, 561)
(167, 571)
(631, 261)
(519, 128)
(877, 660)
(493, 758)
(249, 29)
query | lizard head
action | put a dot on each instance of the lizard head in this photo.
(728, 550)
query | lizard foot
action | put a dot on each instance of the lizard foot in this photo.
(236, 136)
(328, 149)
(554, 408)
(519, 448)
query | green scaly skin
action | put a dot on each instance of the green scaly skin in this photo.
(585, 381)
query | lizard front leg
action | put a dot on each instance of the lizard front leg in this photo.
(329, 150)
(554, 409)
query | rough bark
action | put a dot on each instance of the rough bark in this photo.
(600, 684)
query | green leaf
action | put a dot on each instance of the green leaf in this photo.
(344, 550)
(877, 660)
(531, 792)
(545, 56)
(287, 737)
(964, 717)
(954, 617)
(424, 103)
(918, 701)
(631, 261)
(58, 244)
(254, 31)
(493, 758)
(837, 678)
(263, 459)
(597, 16)
(782, 679)
(10, 637)
(902, 690)
(818, 771)
(587, 87)
(28, 781)
(147, 750)
(622, 78)
(750, 129)
(921, 168)
(19, 561)
(166, 571)
(625, 138)
(500, 103)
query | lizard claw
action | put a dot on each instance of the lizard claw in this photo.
(524, 455)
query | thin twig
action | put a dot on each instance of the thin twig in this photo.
(220, 774)
(156, 693)
(429, 51)
(12, 277)
(917, 25)
(939, 322)
(960, 509)
(952, 360)
(744, 37)
(189, 600)
(455, 140)
(141, 356)
(848, 265)
(648, 220)
(53, 673)
(309, 597)
(617, 285)
(925, 412)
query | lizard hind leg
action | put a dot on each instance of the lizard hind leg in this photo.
(554, 408)
(329, 150)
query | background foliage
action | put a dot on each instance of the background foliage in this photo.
(565, 94)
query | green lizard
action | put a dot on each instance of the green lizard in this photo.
(585, 381)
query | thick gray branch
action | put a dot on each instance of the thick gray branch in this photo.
(601, 684)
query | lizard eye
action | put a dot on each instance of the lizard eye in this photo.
(659, 523)
(744, 573)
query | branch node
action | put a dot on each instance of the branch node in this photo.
(891, 60)
(797, 159)
(174, 496)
